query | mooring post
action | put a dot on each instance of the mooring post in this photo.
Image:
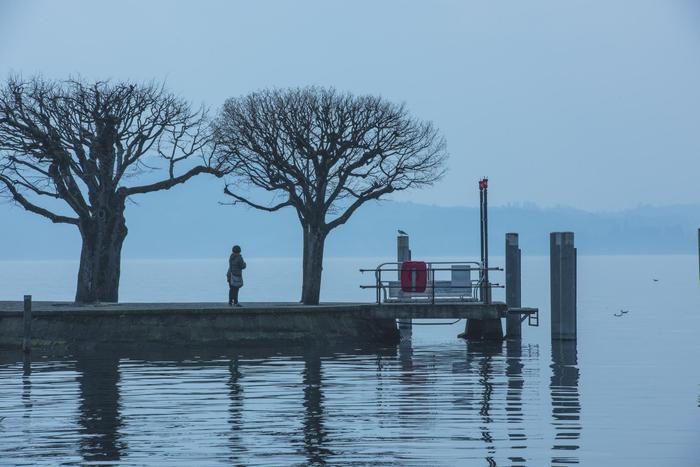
(403, 253)
(513, 256)
(27, 317)
(562, 262)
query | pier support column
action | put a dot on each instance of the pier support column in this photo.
(513, 254)
(403, 253)
(562, 262)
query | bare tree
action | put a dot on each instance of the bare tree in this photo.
(324, 153)
(75, 144)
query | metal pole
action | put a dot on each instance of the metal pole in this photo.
(481, 223)
(27, 317)
(486, 241)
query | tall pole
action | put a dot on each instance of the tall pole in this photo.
(489, 329)
(486, 240)
(481, 226)
(484, 236)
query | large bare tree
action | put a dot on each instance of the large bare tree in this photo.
(68, 150)
(324, 153)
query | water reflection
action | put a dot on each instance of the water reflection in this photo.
(460, 401)
(566, 406)
(486, 351)
(314, 429)
(27, 385)
(235, 394)
(514, 398)
(100, 418)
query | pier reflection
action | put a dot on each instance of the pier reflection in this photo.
(100, 418)
(566, 405)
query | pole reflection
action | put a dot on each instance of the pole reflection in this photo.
(27, 385)
(486, 351)
(514, 398)
(100, 418)
(566, 406)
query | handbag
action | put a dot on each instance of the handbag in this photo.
(236, 281)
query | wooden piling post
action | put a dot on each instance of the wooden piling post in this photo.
(562, 261)
(27, 318)
(513, 255)
(403, 253)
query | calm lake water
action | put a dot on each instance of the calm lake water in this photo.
(627, 393)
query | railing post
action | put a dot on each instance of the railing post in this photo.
(27, 318)
(562, 263)
(513, 271)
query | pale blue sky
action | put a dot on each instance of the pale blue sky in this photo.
(591, 104)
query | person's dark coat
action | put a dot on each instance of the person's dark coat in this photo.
(236, 265)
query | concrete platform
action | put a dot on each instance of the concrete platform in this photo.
(66, 324)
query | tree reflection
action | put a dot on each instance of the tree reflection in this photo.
(235, 410)
(100, 418)
(566, 407)
(314, 429)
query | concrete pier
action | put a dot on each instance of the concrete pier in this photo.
(563, 285)
(513, 284)
(65, 324)
(60, 324)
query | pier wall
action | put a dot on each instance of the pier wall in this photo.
(182, 324)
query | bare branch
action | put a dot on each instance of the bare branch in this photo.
(243, 200)
(328, 152)
(22, 201)
(171, 182)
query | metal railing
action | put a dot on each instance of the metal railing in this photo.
(472, 290)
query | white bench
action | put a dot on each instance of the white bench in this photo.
(460, 287)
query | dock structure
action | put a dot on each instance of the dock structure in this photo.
(66, 324)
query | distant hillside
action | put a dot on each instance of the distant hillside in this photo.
(178, 225)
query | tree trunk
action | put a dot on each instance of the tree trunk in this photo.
(314, 241)
(100, 258)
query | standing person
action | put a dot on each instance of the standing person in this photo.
(236, 265)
